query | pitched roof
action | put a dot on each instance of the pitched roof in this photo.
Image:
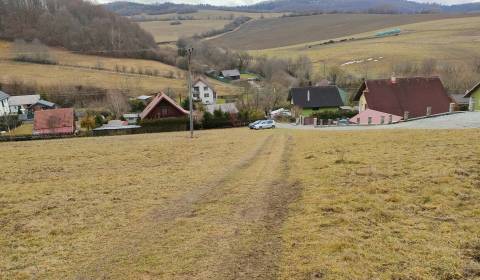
(231, 73)
(54, 119)
(23, 100)
(320, 97)
(3, 95)
(226, 108)
(45, 103)
(472, 90)
(203, 80)
(405, 94)
(161, 96)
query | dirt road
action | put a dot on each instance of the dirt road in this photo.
(227, 228)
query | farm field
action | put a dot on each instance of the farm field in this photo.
(280, 32)
(207, 15)
(78, 69)
(259, 205)
(453, 41)
(162, 31)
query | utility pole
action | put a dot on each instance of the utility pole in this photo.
(189, 85)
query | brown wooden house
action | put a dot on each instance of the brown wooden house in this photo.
(162, 107)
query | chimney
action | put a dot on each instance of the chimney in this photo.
(393, 79)
(308, 96)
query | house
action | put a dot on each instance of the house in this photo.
(315, 99)
(42, 105)
(4, 105)
(233, 74)
(415, 97)
(226, 108)
(131, 118)
(55, 121)
(20, 104)
(474, 95)
(161, 107)
(371, 117)
(202, 91)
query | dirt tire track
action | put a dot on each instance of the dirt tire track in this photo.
(184, 206)
(261, 259)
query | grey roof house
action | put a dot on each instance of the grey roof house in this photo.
(233, 74)
(316, 98)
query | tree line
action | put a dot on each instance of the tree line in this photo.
(76, 25)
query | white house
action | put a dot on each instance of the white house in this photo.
(4, 105)
(202, 91)
(20, 104)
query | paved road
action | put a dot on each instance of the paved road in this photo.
(455, 121)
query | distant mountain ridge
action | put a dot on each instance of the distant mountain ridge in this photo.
(300, 6)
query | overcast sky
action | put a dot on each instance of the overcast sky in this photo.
(247, 2)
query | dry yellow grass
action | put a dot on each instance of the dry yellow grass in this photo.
(76, 69)
(240, 204)
(162, 31)
(449, 40)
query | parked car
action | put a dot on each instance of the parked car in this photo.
(251, 125)
(265, 124)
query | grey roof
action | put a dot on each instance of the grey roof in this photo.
(22, 100)
(116, 125)
(460, 98)
(320, 97)
(230, 73)
(127, 116)
(226, 108)
(144, 97)
(46, 103)
(3, 95)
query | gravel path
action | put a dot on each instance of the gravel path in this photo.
(455, 121)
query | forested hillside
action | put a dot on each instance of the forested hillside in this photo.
(74, 24)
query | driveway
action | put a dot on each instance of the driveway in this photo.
(454, 121)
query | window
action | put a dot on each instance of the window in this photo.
(205, 88)
(207, 95)
(196, 95)
(196, 89)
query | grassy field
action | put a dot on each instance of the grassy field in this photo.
(77, 69)
(162, 31)
(448, 41)
(239, 204)
(208, 15)
(280, 32)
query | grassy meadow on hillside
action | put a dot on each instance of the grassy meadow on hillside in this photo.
(163, 31)
(206, 15)
(89, 70)
(240, 204)
(280, 32)
(454, 41)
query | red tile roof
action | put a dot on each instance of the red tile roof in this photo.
(56, 121)
(405, 94)
(161, 96)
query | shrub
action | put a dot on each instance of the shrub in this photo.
(334, 115)
(164, 125)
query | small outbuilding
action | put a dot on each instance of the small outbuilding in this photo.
(232, 74)
(474, 98)
(54, 122)
(161, 107)
(21, 103)
(42, 105)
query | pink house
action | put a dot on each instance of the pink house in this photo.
(370, 116)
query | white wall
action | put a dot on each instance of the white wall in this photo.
(4, 107)
(205, 93)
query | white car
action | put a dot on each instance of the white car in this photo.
(266, 124)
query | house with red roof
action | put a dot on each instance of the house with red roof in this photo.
(55, 121)
(415, 97)
(162, 107)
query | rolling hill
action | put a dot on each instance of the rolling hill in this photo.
(285, 31)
